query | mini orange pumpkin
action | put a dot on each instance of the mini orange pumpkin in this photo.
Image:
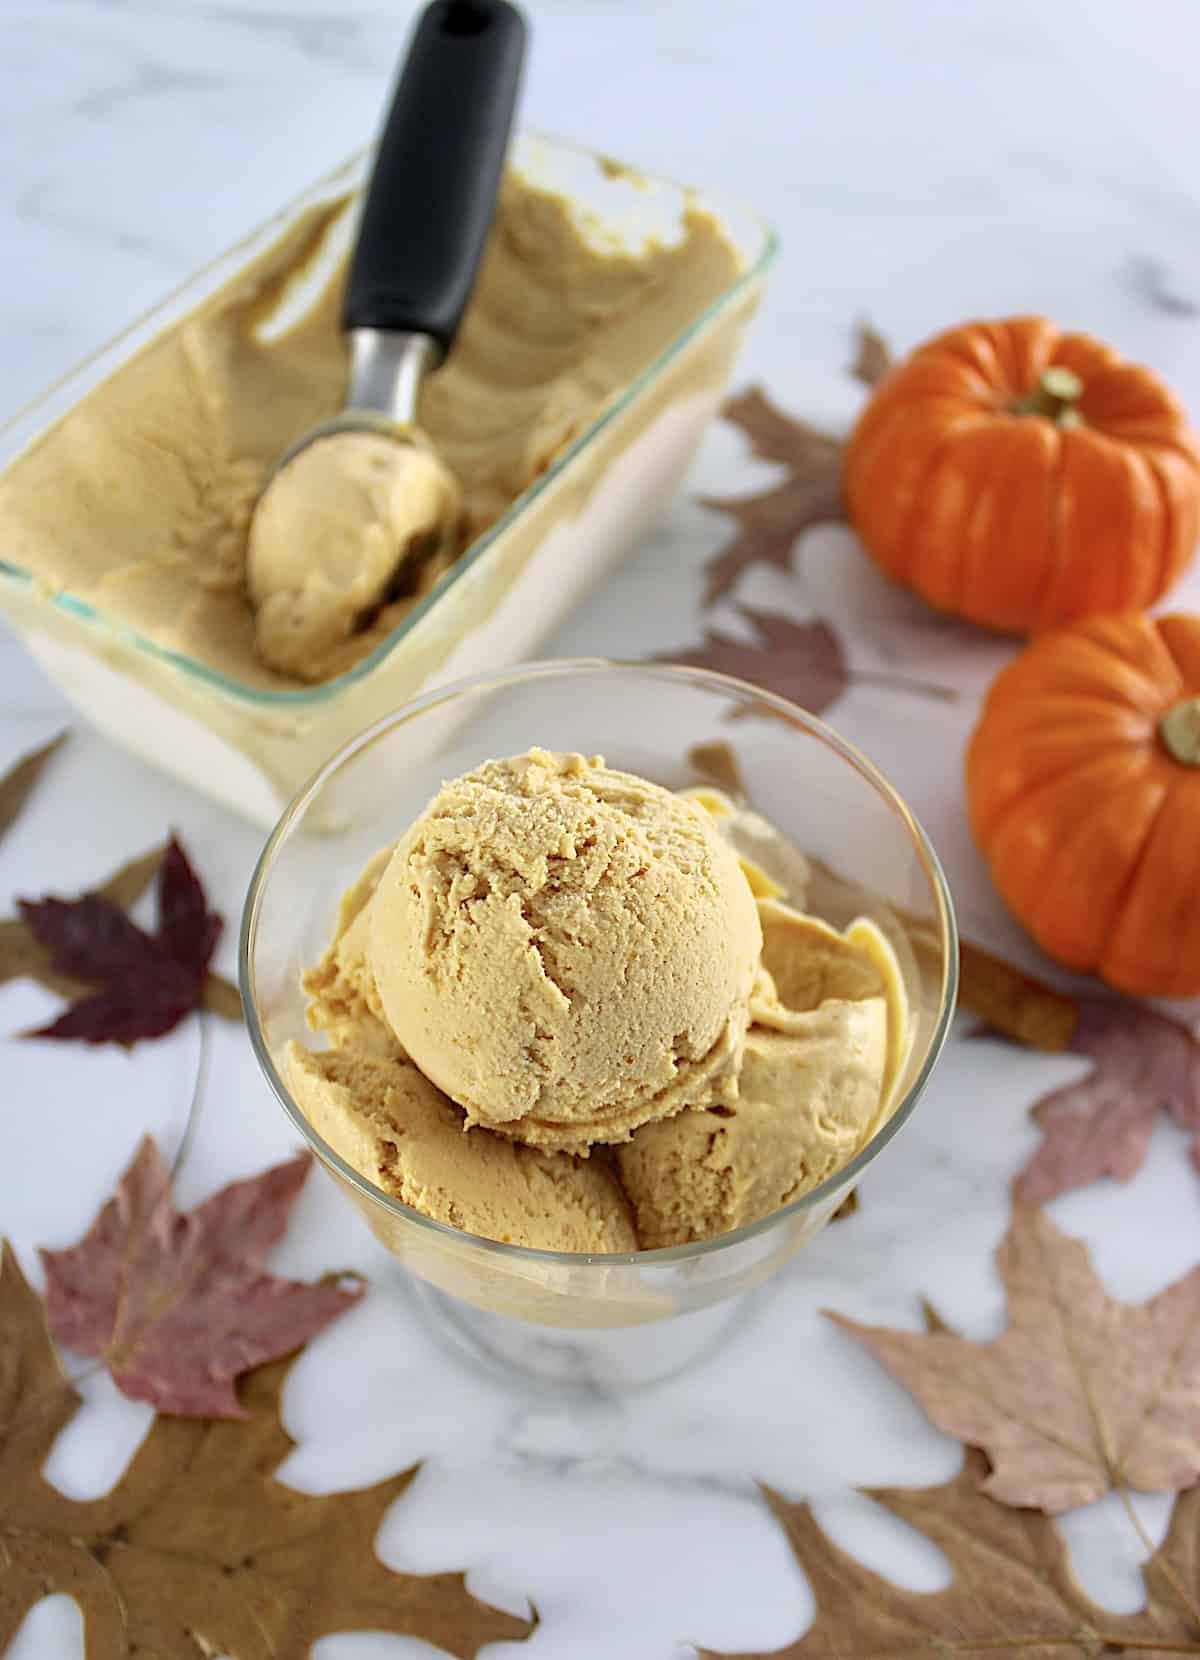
(1083, 785)
(1022, 477)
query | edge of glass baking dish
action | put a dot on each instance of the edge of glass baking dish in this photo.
(108, 358)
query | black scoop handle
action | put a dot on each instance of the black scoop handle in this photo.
(432, 194)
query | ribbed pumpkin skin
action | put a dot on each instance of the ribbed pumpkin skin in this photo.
(1089, 824)
(1013, 520)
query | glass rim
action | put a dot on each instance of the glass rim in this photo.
(551, 668)
(240, 691)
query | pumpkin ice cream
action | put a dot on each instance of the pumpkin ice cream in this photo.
(388, 1121)
(143, 505)
(810, 1091)
(352, 520)
(566, 950)
(565, 1011)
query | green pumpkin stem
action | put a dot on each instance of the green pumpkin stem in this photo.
(1055, 396)
(1179, 730)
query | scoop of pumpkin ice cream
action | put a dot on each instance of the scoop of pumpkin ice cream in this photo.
(336, 528)
(396, 1128)
(812, 1087)
(805, 962)
(566, 950)
(802, 1108)
(809, 962)
(343, 1001)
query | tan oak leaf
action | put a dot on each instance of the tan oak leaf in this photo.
(199, 1549)
(1012, 1593)
(1080, 1394)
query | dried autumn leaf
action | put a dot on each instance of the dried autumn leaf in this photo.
(23, 957)
(130, 881)
(19, 782)
(872, 356)
(801, 661)
(144, 983)
(1080, 1394)
(1145, 1063)
(770, 522)
(1013, 1002)
(1013, 1591)
(187, 929)
(718, 764)
(221, 997)
(178, 1306)
(198, 1549)
(849, 1207)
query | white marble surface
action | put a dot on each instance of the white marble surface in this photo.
(923, 162)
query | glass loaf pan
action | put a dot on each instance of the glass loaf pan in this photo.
(252, 748)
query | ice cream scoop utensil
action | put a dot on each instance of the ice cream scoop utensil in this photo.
(358, 508)
(428, 208)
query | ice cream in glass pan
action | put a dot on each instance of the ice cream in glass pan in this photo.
(597, 342)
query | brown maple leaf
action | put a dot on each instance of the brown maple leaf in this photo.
(801, 661)
(18, 783)
(718, 764)
(1081, 1393)
(770, 522)
(1010, 1001)
(178, 1306)
(23, 956)
(1013, 1591)
(198, 1549)
(1145, 1063)
(872, 356)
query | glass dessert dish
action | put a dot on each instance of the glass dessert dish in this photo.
(251, 744)
(621, 1318)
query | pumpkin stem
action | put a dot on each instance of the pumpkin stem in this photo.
(1055, 396)
(1179, 730)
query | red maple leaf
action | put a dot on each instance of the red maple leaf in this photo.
(178, 1305)
(146, 983)
(1101, 1126)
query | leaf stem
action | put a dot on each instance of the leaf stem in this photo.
(1148, 1645)
(899, 683)
(197, 1100)
(1168, 1572)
